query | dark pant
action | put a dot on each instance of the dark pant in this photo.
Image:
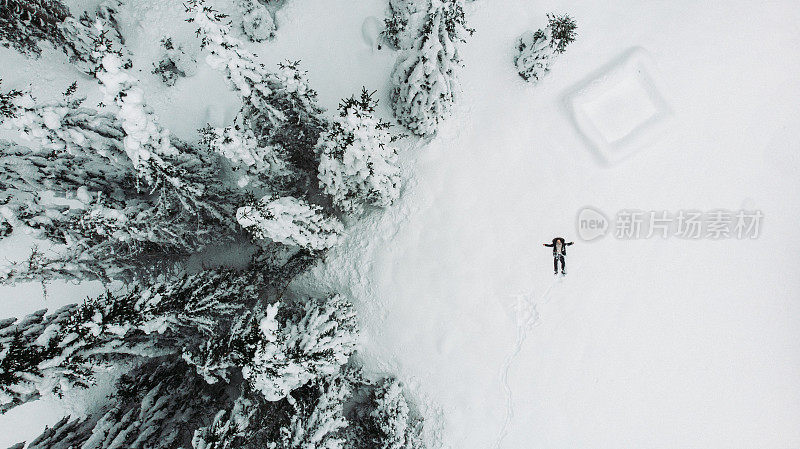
(556, 259)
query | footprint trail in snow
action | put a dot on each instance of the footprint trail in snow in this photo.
(526, 317)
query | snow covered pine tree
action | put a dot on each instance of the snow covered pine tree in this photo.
(291, 221)
(146, 197)
(537, 51)
(311, 417)
(287, 365)
(158, 405)
(381, 418)
(23, 23)
(272, 141)
(195, 338)
(306, 343)
(279, 116)
(391, 418)
(42, 354)
(425, 76)
(358, 163)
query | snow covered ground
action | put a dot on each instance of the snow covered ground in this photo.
(646, 343)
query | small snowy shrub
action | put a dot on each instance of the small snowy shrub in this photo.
(358, 163)
(424, 77)
(537, 51)
(175, 62)
(396, 428)
(290, 221)
(257, 22)
(314, 344)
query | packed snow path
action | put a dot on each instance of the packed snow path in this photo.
(526, 317)
(527, 313)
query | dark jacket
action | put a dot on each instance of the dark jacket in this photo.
(564, 246)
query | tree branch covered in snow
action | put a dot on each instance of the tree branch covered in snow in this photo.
(144, 195)
(403, 22)
(537, 51)
(291, 221)
(51, 353)
(425, 76)
(310, 343)
(157, 406)
(358, 162)
(24, 23)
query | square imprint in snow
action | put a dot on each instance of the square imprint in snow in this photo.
(621, 109)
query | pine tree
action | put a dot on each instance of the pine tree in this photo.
(158, 405)
(358, 163)
(385, 420)
(24, 23)
(50, 353)
(397, 429)
(279, 109)
(146, 196)
(425, 76)
(318, 426)
(254, 167)
(311, 417)
(537, 51)
(291, 221)
(311, 342)
(92, 36)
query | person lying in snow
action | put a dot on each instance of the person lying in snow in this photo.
(559, 251)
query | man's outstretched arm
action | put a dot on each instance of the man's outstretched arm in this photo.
(548, 244)
(570, 243)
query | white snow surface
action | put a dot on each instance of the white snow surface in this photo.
(650, 343)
